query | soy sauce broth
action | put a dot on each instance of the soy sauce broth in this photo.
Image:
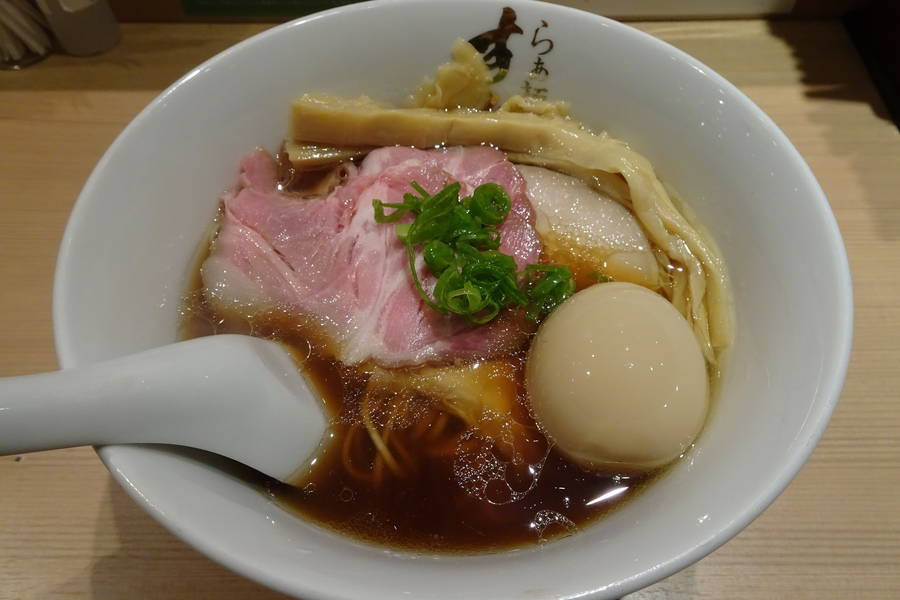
(450, 501)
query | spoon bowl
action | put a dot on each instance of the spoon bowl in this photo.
(234, 395)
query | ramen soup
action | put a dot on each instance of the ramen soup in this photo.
(512, 324)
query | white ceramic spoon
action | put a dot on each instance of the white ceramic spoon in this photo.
(235, 395)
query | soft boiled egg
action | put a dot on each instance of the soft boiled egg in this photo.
(617, 380)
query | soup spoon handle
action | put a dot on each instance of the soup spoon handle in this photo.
(237, 396)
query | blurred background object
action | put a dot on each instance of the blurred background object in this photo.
(279, 10)
(30, 30)
(82, 27)
(875, 30)
(24, 34)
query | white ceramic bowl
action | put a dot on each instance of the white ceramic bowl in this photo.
(125, 256)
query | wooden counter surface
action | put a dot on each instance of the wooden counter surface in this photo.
(68, 531)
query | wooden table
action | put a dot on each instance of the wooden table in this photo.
(68, 531)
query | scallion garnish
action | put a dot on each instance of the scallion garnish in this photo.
(459, 240)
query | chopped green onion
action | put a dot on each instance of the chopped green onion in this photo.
(600, 277)
(460, 239)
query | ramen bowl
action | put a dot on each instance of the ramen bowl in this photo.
(128, 253)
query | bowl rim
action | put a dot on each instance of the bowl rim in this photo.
(67, 352)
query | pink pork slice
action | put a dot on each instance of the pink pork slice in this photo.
(327, 259)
